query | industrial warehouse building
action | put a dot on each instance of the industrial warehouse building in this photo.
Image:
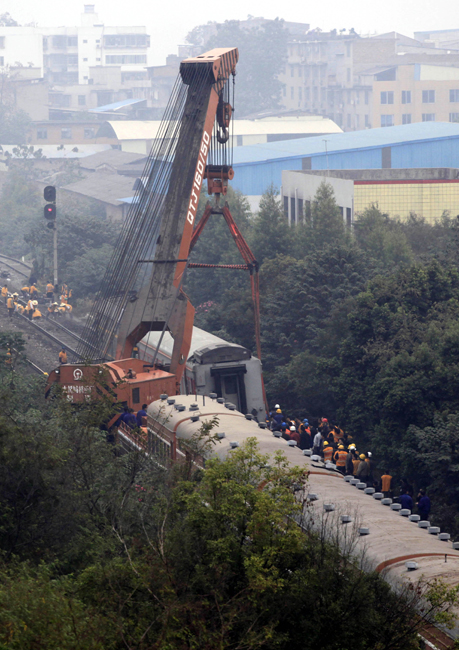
(427, 192)
(411, 146)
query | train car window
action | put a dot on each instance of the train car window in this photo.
(136, 395)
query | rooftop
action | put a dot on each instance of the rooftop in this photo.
(145, 130)
(340, 142)
(113, 157)
(103, 187)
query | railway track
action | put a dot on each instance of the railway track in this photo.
(21, 268)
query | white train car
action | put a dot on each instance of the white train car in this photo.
(214, 366)
(394, 542)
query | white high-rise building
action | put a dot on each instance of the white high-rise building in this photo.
(65, 54)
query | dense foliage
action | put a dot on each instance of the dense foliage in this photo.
(85, 235)
(106, 551)
(361, 327)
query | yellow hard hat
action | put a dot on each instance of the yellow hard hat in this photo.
(325, 444)
(362, 456)
(278, 411)
(341, 447)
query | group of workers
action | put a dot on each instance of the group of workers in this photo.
(29, 305)
(333, 445)
(132, 419)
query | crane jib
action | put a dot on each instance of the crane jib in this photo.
(198, 178)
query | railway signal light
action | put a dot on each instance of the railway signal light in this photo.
(49, 194)
(50, 211)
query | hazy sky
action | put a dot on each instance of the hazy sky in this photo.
(169, 22)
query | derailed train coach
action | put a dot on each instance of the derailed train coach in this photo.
(213, 366)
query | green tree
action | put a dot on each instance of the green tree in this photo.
(382, 238)
(262, 57)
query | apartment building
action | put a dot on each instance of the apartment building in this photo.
(65, 54)
(405, 94)
(332, 74)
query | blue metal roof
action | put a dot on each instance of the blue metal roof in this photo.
(341, 142)
(117, 105)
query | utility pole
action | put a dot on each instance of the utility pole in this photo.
(49, 194)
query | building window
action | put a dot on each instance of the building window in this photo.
(292, 92)
(387, 97)
(357, 121)
(348, 74)
(85, 59)
(85, 41)
(367, 120)
(454, 117)
(387, 120)
(2, 42)
(284, 91)
(292, 210)
(406, 96)
(2, 60)
(454, 95)
(72, 41)
(292, 71)
(348, 120)
(66, 133)
(348, 217)
(81, 100)
(89, 133)
(127, 40)
(428, 117)
(348, 49)
(286, 207)
(300, 93)
(428, 96)
(42, 134)
(125, 59)
(406, 118)
(300, 71)
(366, 97)
(98, 59)
(307, 94)
(349, 95)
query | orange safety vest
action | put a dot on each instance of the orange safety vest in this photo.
(4, 291)
(328, 453)
(33, 289)
(26, 289)
(340, 458)
(63, 357)
(49, 288)
(36, 314)
(10, 303)
(29, 305)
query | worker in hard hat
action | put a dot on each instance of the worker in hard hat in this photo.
(363, 470)
(63, 356)
(61, 309)
(36, 315)
(349, 463)
(52, 310)
(294, 435)
(33, 291)
(18, 308)
(328, 452)
(340, 458)
(278, 418)
(29, 309)
(50, 290)
(10, 306)
(25, 291)
(67, 309)
(5, 293)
